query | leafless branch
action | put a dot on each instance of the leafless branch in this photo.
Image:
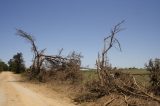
(29, 38)
(109, 101)
(60, 51)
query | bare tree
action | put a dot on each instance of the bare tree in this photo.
(102, 63)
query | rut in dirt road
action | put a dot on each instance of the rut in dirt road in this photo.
(13, 93)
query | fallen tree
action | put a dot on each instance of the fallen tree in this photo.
(42, 63)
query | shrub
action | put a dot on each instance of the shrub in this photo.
(70, 70)
(154, 68)
(61, 68)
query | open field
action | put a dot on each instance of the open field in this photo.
(141, 75)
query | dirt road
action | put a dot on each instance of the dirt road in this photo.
(12, 93)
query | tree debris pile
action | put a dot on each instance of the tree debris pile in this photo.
(94, 90)
(121, 84)
(66, 69)
(111, 81)
(122, 100)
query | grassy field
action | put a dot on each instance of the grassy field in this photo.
(89, 75)
(141, 75)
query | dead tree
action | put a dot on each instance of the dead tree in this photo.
(70, 64)
(38, 56)
(102, 63)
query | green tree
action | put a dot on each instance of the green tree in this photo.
(154, 68)
(3, 66)
(16, 64)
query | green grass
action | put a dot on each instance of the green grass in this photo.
(135, 71)
(89, 75)
(142, 78)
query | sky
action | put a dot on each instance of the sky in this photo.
(81, 25)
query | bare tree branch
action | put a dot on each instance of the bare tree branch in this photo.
(29, 38)
(60, 51)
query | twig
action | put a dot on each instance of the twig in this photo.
(109, 101)
(135, 82)
(125, 98)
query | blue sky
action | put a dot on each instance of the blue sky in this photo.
(81, 25)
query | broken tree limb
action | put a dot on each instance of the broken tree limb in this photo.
(140, 94)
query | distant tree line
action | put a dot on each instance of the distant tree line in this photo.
(16, 64)
(3, 66)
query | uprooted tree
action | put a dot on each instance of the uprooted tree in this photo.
(69, 66)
